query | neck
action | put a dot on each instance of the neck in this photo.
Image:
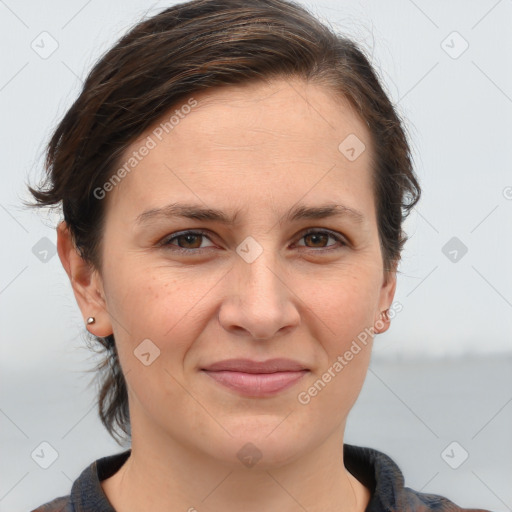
(165, 475)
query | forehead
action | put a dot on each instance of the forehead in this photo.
(244, 144)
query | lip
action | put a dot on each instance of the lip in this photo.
(256, 379)
(251, 366)
(256, 384)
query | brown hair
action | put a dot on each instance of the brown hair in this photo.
(190, 47)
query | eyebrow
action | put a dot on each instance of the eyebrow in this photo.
(197, 212)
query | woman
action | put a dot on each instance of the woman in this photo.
(233, 180)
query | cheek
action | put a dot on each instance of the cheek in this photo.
(149, 303)
(327, 397)
(342, 302)
(156, 320)
(343, 320)
(331, 395)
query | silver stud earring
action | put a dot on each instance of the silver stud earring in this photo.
(91, 320)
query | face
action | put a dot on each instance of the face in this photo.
(182, 293)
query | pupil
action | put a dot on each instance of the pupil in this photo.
(190, 238)
(316, 237)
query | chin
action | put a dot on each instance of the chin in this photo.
(263, 445)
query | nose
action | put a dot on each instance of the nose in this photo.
(260, 303)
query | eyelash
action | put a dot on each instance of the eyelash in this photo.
(167, 242)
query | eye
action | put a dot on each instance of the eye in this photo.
(191, 241)
(185, 240)
(316, 236)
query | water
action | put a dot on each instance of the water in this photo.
(412, 410)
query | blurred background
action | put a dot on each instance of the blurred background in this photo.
(438, 396)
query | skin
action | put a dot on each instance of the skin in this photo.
(260, 148)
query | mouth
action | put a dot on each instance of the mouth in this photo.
(256, 384)
(256, 379)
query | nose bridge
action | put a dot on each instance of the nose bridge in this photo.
(258, 267)
(260, 294)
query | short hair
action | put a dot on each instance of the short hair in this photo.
(195, 46)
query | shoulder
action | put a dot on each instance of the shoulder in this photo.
(422, 502)
(61, 504)
(382, 476)
(86, 491)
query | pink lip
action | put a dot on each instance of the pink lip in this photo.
(251, 366)
(256, 384)
(256, 378)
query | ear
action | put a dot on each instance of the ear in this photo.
(387, 293)
(86, 283)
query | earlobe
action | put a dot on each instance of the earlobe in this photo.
(86, 283)
(383, 322)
